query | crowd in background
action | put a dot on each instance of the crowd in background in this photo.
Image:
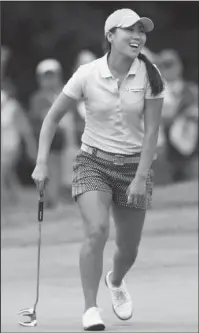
(178, 136)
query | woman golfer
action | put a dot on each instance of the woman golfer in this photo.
(123, 93)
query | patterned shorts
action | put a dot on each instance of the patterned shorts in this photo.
(91, 173)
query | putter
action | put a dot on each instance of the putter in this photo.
(31, 312)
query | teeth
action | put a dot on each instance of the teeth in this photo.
(134, 45)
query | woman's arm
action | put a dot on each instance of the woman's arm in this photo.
(49, 126)
(152, 118)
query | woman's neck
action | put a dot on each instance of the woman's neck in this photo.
(119, 64)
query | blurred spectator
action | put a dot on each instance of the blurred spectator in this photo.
(15, 130)
(6, 82)
(50, 83)
(5, 54)
(179, 117)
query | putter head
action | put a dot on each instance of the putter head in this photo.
(28, 312)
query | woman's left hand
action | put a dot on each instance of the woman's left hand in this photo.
(135, 189)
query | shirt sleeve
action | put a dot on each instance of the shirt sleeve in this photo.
(74, 87)
(148, 93)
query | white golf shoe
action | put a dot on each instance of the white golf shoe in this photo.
(121, 300)
(92, 321)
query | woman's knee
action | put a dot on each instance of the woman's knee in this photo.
(98, 233)
(94, 208)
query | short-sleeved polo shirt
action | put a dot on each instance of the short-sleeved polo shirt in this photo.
(114, 116)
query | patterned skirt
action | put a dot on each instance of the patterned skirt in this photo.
(91, 173)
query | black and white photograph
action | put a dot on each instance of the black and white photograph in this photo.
(99, 166)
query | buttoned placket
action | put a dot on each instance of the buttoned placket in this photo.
(118, 104)
(119, 92)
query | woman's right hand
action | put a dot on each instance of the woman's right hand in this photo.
(40, 176)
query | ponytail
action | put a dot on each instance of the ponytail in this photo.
(155, 79)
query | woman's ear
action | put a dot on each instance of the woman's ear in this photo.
(109, 37)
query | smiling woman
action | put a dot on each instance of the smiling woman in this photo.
(138, 30)
(123, 94)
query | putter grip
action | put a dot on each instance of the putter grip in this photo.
(40, 207)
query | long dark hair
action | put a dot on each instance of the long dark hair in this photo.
(155, 79)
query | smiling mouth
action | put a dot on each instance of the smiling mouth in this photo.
(134, 45)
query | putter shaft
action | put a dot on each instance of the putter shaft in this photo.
(40, 219)
(31, 312)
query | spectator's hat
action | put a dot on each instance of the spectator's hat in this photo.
(123, 18)
(48, 65)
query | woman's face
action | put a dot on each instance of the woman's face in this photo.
(128, 41)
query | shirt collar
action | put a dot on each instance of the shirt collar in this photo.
(105, 71)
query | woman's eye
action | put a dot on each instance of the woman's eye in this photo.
(129, 29)
(141, 29)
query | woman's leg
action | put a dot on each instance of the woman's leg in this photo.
(94, 207)
(129, 223)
